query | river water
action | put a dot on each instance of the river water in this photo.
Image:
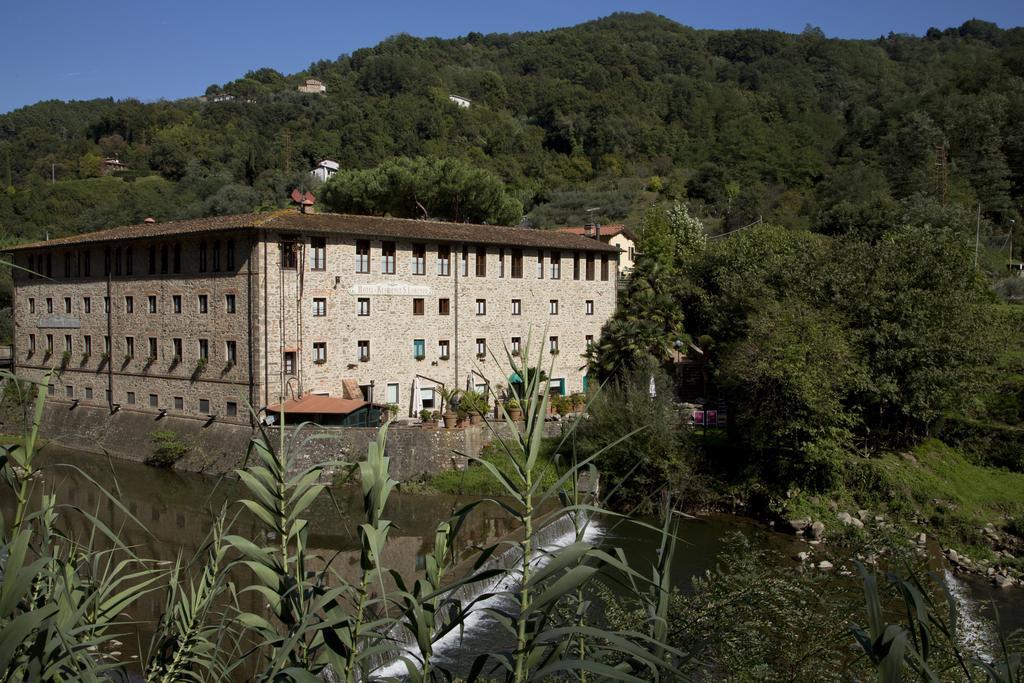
(177, 510)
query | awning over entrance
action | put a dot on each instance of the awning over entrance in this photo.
(327, 411)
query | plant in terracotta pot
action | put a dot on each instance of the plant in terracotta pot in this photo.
(475, 404)
(425, 417)
(450, 416)
(463, 417)
(514, 410)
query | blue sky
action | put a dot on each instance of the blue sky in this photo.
(156, 48)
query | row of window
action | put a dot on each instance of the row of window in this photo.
(178, 402)
(419, 350)
(583, 266)
(202, 304)
(165, 258)
(177, 347)
(443, 306)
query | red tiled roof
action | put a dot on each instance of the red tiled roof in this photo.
(606, 230)
(311, 404)
(372, 227)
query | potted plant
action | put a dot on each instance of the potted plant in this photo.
(513, 409)
(475, 405)
(463, 418)
(420, 356)
(447, 396)
(104, 357)
(579, 402)
(425, 418)
(392, 410)
(85, 358)
(65, 359)
(435, 416)
(562, 405)
(201, 365)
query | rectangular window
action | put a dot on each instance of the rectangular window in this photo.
(553, 344)
(364, 306)
(164, 254)
(154, 401)
(49, 265)
(540, 265)
(204, 303)
(363, 350)
(87, 304)
(204, 406)
(517, 345)
(31, 344)
(444, 307)
(106, 345)
(67, 264)
(481, 347)
(443, 349)
(176, 303)
(106, 262)
(86, 263)
(31, 305)
(604, 266)
(481, 261)
(589, 340)
(67, 343)
(231, 409)
(517, 306)
(229, 303)
(129, 261)
(117, 261)
(216, 256)
(231, 351)
(319, 307)
(553, 306)
(88, 393)
(590, 266)
(444, 260)
(202, 257)
(49, 343)
(289, 362)
(130, 398)
(152, 259)
(179, 403)
(129, 304)
(229, 255)
(417, 307)
(387, 258)
(319, 352)
(176, 348)
(67, 305)
(204, 349)
(517, 263)
(481, 306)
(419, 259)
(391, 393)
(362, 256)
(318, 253)
(289, 256)
(49, 305)
(427, 397)
(152, 347)
(106, 304)
(87, 344)
(129, 347)
(69, 391)
(151, 303)
(501, 262)
(177, 257)
(419, 349)
(464, 268)
(556, 266)
(590, 307)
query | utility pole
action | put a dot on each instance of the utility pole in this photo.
(977, 237)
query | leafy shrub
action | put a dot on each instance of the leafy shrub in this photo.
(167, 449)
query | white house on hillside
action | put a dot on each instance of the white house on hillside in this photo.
(312, 85)
(325, 169)
(461, 101)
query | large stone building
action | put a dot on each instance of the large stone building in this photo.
(200, 317)
(615, 235)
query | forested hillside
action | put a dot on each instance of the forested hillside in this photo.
(800, 129)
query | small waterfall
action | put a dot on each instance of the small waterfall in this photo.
(971, 630)
(559, 533)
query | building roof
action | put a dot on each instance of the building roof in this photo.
(330, 163)
(372, 227)
(314, 404)
(606, 230)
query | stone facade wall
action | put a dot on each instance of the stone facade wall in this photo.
(108, 367)
(391, 327)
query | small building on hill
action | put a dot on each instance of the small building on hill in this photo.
(460, 101)
(325, 169)
(615, 235)
(313, 87)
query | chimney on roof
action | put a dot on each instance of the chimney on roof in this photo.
(149, 219)
(588, 230)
